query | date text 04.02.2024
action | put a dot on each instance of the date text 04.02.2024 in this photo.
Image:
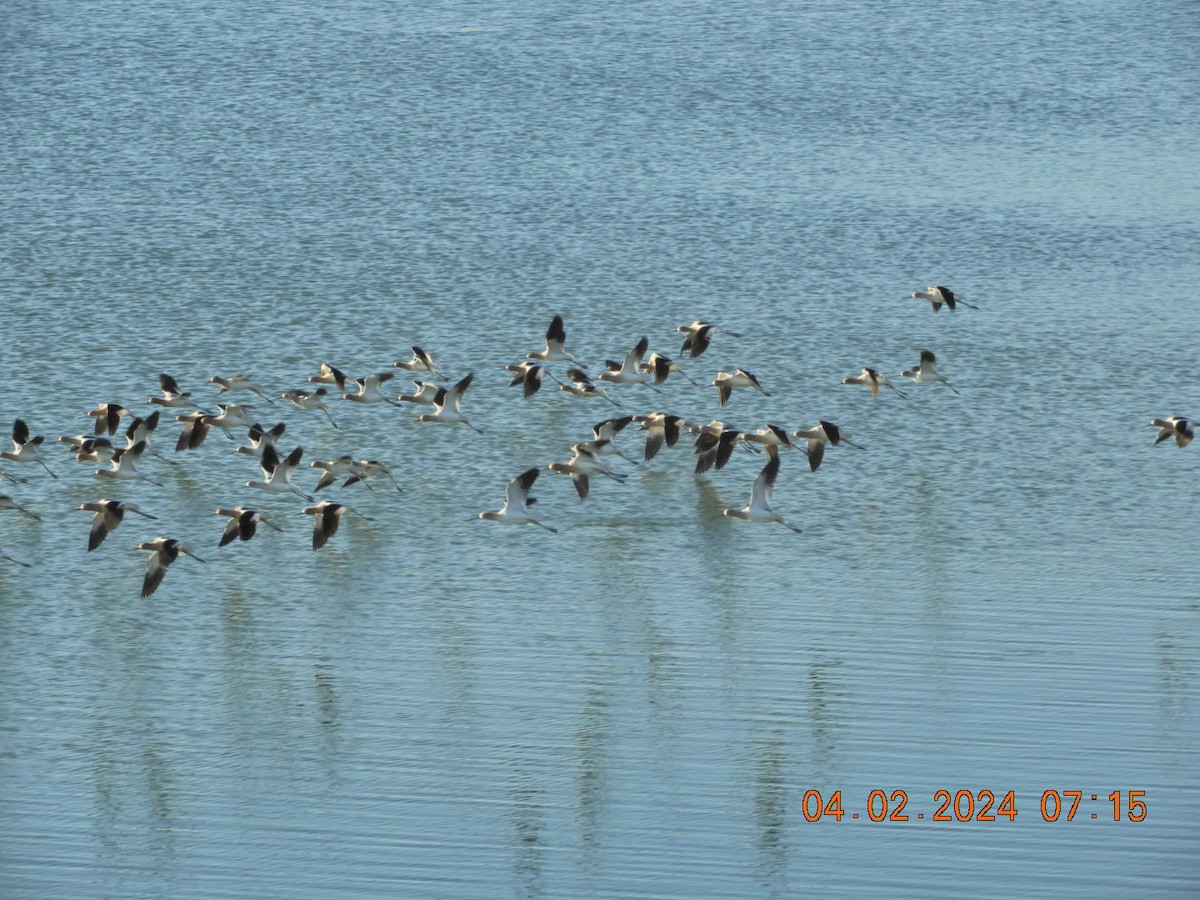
(978, 806)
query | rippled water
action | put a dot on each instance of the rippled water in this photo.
(997, 594)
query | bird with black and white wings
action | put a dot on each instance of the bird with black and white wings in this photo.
(517, 502)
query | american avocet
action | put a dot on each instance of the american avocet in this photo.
(759, 507)
(517, 503)
(165, 551)
(26, 448)
(310, 400)
(108, 417)
(420, 362)
(581, 386)
(629, 371)
(328, 516)
(108, 515)
(334, 469)
(714, 446)
(1181, 428)
(368, 389)
(426, 392)
(6, 558)
(125, 465)
(141, 429)
(365, 468)
(873, 379)
(726, 382)
(242, 524)
(239, 383)
(171, 397)
(604, 436)
(699, 334)
(331, 375)
(7, 502)
(769, 436)
(261, 439)
(661, 366)
(446, 406)
(660, 428)
(278, 472)
(231, 416)
(936, 295)
(583, 463)
(818, 436)
(90, 448)
(530, 376)
(194, 431)
(556, 336)
(925, 372)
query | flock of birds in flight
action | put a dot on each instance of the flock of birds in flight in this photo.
(714, 442)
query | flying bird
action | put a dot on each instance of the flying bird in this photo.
(517, 502)
(165, 551)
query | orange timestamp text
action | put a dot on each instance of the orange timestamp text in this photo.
(983, 805)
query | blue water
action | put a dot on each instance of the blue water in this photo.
(998, 593)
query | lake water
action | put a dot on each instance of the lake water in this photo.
(998, 594)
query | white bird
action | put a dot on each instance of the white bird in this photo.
(446, 406)
(243, 524)
(368, 389)
(937, 296)
(261, 439)
(581, 386)
(278, 473)
(108, 515)
(530, 376)
(334, 469)
(629, 371)
(517, 503)
(363, 469)
(556, 336)
(925, 372)
(874, 380)
(661, 366)
(239, 383)
(330, 375)
(420, 362)
(141, 429)
(108, 417)
(714, 445)
(7, 502)
(699, 334)
(166, 551)
(660, 428)
(195, 430)
(26, 448)
(818, 437)
(426, 392)
(171, 397)
(1182, 428)
(328, 516)
(231, 415)
(89, 448)
(125, 465)
(769, 436)
(759, 507)
(583, 463)
(310, 400)
(726, 382)
(604, 436)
